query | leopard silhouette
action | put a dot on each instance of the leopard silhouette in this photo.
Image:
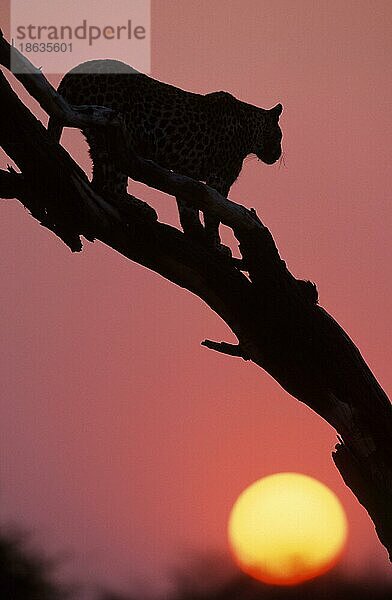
(206, 137)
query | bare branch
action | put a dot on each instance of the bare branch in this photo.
(225, 348)
(52, 103)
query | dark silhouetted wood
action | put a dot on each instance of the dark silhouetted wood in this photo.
(275, 317)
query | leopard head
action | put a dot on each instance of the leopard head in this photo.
(269, 136)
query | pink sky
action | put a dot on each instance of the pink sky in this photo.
(124, 443)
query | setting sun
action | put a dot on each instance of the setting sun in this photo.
(287, 528)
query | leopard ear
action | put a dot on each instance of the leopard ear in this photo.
(276, 111)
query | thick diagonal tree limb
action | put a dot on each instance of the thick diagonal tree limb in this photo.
(275, 317)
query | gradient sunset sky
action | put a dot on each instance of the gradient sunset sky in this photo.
(124, 443)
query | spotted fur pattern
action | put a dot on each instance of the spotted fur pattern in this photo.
(205, 137)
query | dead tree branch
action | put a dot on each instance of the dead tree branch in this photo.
(275, 317)
(225, 348)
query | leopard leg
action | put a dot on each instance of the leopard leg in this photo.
(190, 221)
(107, 179)
(211, 221)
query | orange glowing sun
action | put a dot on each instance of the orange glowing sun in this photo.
(287, 528)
